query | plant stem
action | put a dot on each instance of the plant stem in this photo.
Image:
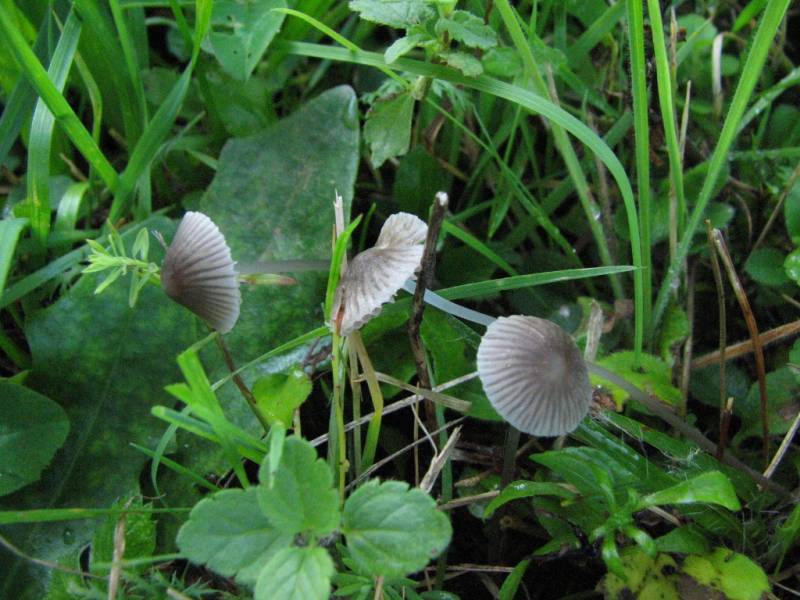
(237, 379)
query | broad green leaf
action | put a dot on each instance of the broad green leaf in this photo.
(502, 62)
(575, 466)
(279, 394)
(392, 530)
(387, 129)
(401, 14)
(272, 198)
(782, 389)
(466, 63)
(229, 534)
(653, 375)
(140, 535)
(526, 489)
(9, 234)
(240, 32)
(32, 428)
(302, 498)
(765, 266)
(791, 266)
(106, 365)
(712, 487)
(687, 539)
(296, 574)
(733, 574)
(470, 30)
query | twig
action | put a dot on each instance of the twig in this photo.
(399, 405)
(752, 328)
(741, 348)
(117, 556)
(439, 461)
(424, 278)
(776, 211)
(467, 500)
(723, 336)
(783, 448)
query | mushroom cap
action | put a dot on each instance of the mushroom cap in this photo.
(198, 272)
(534, 375)
(374, 276)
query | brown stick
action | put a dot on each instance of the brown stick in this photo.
(752, 327)
(418, 306)
(724, 421)
(237, 379)
(741, 348)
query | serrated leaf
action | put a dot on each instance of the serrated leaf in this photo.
(765, 266)
(401, 14)
(32, 428)
(392, 530)
(388, 128)
(279, 394)
(468, 29)
(466, 63)
(296, 574)
(241, 31)
(229, 534)
(302, 498)
(712, 487)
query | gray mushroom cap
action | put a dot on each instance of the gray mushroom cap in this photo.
(198, 272)
(534, 375)
(374, 276)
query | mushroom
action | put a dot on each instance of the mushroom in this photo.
(375, 275)
(198, 272)
(534, 375)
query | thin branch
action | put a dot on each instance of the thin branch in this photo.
(741, 348)
(237, 379)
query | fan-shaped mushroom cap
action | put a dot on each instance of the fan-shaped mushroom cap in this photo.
(534, 375)
(374, 276)
(199, 273)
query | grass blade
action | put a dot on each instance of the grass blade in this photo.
(10, 230)
(771, 20)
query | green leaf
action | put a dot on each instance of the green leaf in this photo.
(734, 575)
(296, 574)
(466, 63)
(387, 129)
(229, 534)
(579, 467)
(791, 266)
(302, 498)
(526, 489)
(687, 539)
(392, 530)
(674, 330)
(782, 389)
(240, 32)
(140, 534)
(765, 266)
(791, 213)
(470, 30)
(403, 45)
(401, 14)
(32, 428)
(511, 584)
(653, 375)
(712, 487)
(9, 234)
(106, 365)
(502, 62)
(279, 394)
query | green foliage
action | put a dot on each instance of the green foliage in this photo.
(766, 265)
(229, 533)
(140, 534)
(393, 530)
(241, 32)
(652, 374)
(278, 395)
(32, 428)
(388, 128)
(301, 498)
(296, 574)
(468, 29)
(401, 14)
